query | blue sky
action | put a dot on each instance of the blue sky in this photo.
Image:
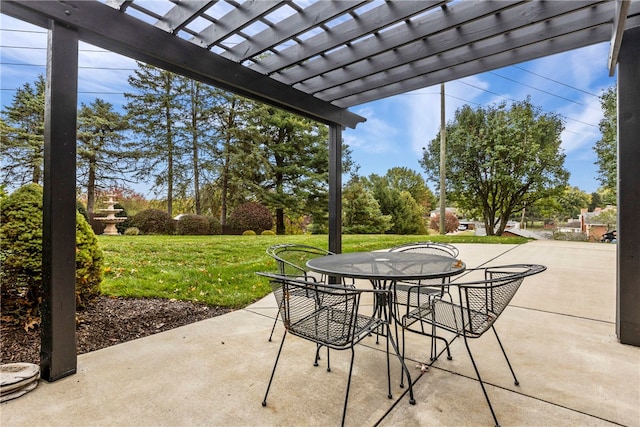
(397, 127)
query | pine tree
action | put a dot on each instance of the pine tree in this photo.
(22, 144)
(156, 114)
(287, 162)
(199, 103)
(361, 212)
(230, 113)
(103, 159)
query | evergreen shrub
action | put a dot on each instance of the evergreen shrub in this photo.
(249, 233)
(21, 256)
(154, 221)
(122, 226)
(268, 233)
(132, 231)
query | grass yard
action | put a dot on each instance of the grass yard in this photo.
(220, 270)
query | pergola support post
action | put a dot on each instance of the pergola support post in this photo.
(58, 355)
(628, 256)
(335, 188)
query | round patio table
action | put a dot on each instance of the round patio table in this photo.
(383, 267)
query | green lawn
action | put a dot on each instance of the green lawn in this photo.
(220, 270)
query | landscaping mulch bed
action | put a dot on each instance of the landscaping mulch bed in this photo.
(105, 322)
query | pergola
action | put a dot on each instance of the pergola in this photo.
(317, 59)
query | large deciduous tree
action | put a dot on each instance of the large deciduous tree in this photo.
(102, 158)
(606, 148)
(22, 144)
(500, 159)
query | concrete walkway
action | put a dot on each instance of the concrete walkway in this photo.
(559, 332)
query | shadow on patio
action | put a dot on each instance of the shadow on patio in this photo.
(559, 332)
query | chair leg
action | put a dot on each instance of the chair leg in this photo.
(434, 347)
(346, 396)
(515, 380)
(475, 367)
(318, 347)
(264, 401)
(275, 321)
(401, 368)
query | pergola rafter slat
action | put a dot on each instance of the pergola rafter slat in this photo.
(511, 29)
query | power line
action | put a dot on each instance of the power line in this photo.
(417, 93)
(80, 66)
(541, 90)
(555, 81)
(513, 100)
(4, 46)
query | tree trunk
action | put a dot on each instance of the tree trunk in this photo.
(169, 160)
(91, 188)
(194, 140)
(224, 194)
(280, 228)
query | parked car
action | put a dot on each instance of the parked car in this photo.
(610, 237)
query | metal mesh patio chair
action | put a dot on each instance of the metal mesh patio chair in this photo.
(436, 248)
(328, 315)
(473, 311)
(292, 260)
(421, 293)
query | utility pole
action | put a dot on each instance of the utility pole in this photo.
(443, 131)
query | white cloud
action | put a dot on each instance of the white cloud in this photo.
(374, 136)
(582, 129)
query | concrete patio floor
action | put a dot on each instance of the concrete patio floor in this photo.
(559, 333)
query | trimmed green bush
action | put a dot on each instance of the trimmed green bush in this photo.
(21, 255)
(268, 233)
(131, 231)
(154, 221)
(249, 233)
(89, 262)
(569, 236)
(192, 225)
(251, 216)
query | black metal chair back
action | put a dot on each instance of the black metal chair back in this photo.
(413, 294)
(292, 258)
(477, 307)
(329, 315)
(436, 248)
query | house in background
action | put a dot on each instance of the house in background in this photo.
(595, 224)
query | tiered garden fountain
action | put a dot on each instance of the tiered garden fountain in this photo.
(110, 220)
